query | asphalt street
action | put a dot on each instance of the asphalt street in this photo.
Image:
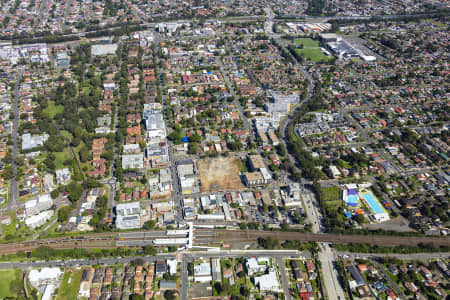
(14, 193)
(330, 275)
(284, 280)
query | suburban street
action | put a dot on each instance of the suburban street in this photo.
(66, 13)
(283, 278)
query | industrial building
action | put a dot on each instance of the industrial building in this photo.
(103, 49)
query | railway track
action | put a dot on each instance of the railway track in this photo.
(205, 236)
(382, 240)
(100, 240)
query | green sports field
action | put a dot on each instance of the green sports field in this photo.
(311, 49)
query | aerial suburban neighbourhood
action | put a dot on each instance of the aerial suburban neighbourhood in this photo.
(224, 150)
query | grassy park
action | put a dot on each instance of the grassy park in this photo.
(6, 277)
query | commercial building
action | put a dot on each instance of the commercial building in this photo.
(133, 161)
(253, 178)
(48, 292)
(32, 141)
(185, 167)
(256, 265)
(62, 59)
(45, 276)
(202, 272)
(281, 103)
(45, 202)
(216, 270)
(48, 183)
(85, 284)
(36, 221)
(128, 215)
(257, 178)
(167, 285)
(35, 206)
(256, 162)
(267, 282)
(359, 280)
(172, 264)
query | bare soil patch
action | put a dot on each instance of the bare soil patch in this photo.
(220, 174)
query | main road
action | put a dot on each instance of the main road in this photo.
(13, 195)
(331, 283)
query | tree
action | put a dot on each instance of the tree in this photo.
(193, 148)
(150, 250)
(8, 172)
(101, 202)
(269, 243)
(93, 183)
(195, 138)
(137, 297)
(359, 219)
(234, 146)
(284, 226)
(138, 262)
(50, 162)
(75, 190)
(190, 268)
(169, 295)
(245, 291)
(54, 194)
(218, 287)
(84, 154)
(149, 225)
(176, 135)
(64, 213)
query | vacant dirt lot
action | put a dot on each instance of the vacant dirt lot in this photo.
(220, 174)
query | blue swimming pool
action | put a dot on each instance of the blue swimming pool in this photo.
(352, 200)
(374, 205)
